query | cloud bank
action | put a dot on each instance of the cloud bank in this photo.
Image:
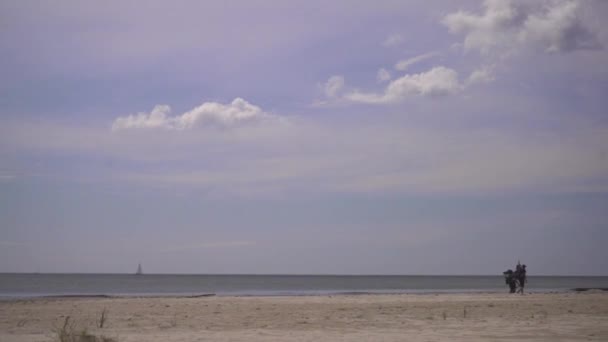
(554, 26)
(503, 27)
(235, 113)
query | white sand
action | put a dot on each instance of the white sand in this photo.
(488, 317)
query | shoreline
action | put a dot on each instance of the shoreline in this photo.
(279, 294)
(302, 294)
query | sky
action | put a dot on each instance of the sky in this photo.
(304, 137)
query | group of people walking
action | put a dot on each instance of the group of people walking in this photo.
(516, 280)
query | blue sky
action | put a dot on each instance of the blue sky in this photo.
(355, 137)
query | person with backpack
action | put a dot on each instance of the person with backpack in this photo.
(522, 279)
(510, 280)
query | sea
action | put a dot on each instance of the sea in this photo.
(19, 285)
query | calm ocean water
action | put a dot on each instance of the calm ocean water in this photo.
(33, 285)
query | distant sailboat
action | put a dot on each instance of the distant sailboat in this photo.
(139, 271)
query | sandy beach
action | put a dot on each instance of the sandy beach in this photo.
(444, 317)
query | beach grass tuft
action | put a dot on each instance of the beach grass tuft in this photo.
(68, 332)
(102, 318)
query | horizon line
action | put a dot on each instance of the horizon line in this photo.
(300, 274)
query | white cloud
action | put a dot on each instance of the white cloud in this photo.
(506, 24)
(393, 40)
(484, 74)
(383, 75)
(435, 82)
(485, 31)
(209, 113)
(560, 29)
(406, 63)
(333, 86)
